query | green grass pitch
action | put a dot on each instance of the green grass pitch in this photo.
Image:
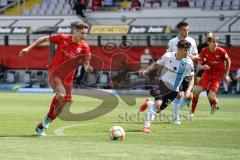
(205, 137)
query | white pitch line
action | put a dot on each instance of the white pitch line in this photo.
(60, 131)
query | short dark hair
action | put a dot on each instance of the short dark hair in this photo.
(80, 25)
(181, 24)
(210, 39)
(184, 44)
(206, 33)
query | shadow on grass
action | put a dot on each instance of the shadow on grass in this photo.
(132, 122)
(127, 122)
(18, 136)
(133, 130)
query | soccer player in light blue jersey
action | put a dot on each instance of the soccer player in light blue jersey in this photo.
(173, 67)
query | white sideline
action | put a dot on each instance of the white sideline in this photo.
(60, 131)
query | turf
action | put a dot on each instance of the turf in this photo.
(206, 136)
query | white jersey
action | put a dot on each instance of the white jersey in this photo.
(172, 45)
(175, 70)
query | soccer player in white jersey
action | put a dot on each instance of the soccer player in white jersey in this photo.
(237, 78)
(173, 67)
(183, 29)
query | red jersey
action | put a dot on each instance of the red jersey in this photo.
(68, 56)
(215, 60)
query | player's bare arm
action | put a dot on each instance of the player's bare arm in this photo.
(190, 86)
(142, 72)
(152, 67)
(194, 56)
(203, 66)
(228, 64)
(34, 44)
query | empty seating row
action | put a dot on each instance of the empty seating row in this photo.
(207, 4)
(49, 12)
(53, 7)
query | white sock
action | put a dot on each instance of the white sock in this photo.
(176, 108)
(152, 112)
(225, 86)
(238, 85)
(150, 104)
(184, 102)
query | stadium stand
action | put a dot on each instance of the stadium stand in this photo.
(235, 4)
(199, 3)
(16, 7)
(49, 17)
(65, 7)
(162, 17)
(208, 4)
(37, 23)
(6, 22)
(226, 5)
(235, 26)
(217, 4)
(54, 7)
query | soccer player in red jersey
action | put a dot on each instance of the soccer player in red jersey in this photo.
(217, 66)
(71, 52)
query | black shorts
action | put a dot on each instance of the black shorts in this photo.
(167, 99)
(200, 72)
(161, 92)
(184, 84)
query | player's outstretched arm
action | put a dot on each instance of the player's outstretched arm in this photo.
(228, 65)
(149, 69)
(194, 56)
(34, 44)
(202, 65)
(190, 86)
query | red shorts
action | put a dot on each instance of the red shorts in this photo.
(210, 83)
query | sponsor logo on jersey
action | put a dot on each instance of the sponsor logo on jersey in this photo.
(79, 50)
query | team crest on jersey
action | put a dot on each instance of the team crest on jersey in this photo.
(79, 50)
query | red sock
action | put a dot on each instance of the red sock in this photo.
(57, 105)
(53, 106)
(194, 102)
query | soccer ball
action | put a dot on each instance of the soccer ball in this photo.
(117, 133)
